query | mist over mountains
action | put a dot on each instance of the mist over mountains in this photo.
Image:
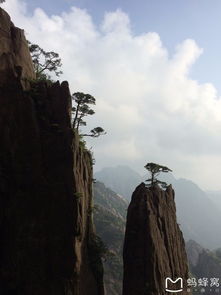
(198, 212)
(121, 179)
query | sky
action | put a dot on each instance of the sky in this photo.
(153, 67)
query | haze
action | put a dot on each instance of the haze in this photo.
(155, 77)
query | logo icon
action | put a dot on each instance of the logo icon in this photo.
(174, 282)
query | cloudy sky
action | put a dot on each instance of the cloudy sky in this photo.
(153, 67)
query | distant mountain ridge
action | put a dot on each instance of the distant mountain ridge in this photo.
(203, 264)
(121, 179)
(199, 217)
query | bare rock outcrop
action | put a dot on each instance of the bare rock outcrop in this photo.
(154, 247)
(46, 228)
(15, 59)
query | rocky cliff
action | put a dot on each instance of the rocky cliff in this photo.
(154, 247)
(15, 59)
(110, 218)
(48, 244)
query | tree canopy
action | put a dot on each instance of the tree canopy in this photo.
(44, 62)
(155, 170)
(81, 109)
(1, 1)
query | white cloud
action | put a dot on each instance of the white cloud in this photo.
(151, 108)
(116, 23)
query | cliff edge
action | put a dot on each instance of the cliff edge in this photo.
(46, 229)
(15, 59)
(154, 247)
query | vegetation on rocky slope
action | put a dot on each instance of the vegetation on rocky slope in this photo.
(110, 217)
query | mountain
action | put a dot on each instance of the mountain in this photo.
(154, 247)
(198, 213)
(48, 243)
(110, 213)
(215, 197)
(204, 263)
(110, 218)
(198, 216)
(121, 179)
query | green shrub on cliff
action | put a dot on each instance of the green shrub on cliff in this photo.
(97, 250)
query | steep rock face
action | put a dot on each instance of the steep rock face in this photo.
(15, 60)
(154, 246)
(88, 266)
(46, 229)
(110, 219)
